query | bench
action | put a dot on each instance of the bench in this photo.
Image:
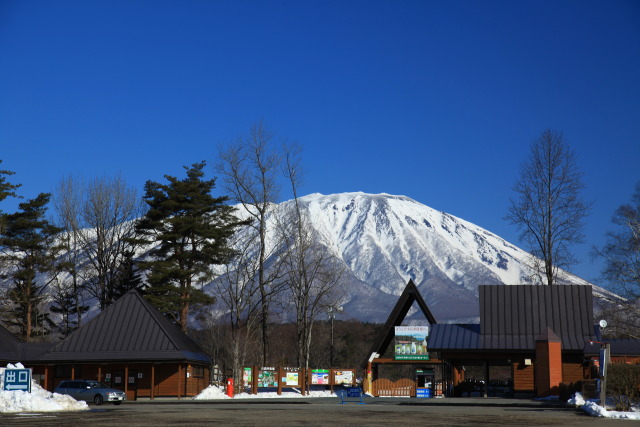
(350, 394)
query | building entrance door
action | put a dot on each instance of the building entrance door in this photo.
(132, 385)
(117, 380)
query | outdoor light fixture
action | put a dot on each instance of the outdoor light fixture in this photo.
(603, 324)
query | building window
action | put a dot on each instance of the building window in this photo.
(198, 371)
(63, 371)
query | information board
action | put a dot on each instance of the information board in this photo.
(17, 379)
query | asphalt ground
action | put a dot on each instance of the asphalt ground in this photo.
(320, 411)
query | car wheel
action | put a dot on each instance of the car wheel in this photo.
(98, 399)
(117, 402)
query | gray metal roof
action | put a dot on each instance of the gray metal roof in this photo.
(409, 295)
(619, 347)
(9, 346)
(512, 317)
(128, 330)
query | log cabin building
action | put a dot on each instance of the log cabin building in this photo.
(130, 346)
(529, 340)
(538, 333)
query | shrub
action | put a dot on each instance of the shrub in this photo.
(585, 387)
(622, 385)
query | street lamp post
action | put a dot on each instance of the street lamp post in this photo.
(605, 357)
(332, 315)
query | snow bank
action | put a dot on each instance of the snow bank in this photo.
(39, 400)
(215, 392)
(211, 392)
(593, 409)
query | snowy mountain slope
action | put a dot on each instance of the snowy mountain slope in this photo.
(384, 240)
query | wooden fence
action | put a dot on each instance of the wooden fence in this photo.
(402, 387)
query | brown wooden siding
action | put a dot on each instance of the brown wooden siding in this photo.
(523, 377)
(572, 372)
(169, 380)
(401, 387)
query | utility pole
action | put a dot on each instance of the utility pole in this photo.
(605, 358)
(332, 315)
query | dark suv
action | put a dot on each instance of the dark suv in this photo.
(91, 391)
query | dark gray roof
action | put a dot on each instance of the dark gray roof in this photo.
(128, 330)
(619, 347)
(454, 337)
(397, 315)
(9, 346)
(512, 317)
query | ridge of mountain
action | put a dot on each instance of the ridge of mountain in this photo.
(384, 240)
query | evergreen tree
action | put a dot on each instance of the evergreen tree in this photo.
(65, 302)
(6, 190)
(127, 277)
(29, 248)
(189, 229)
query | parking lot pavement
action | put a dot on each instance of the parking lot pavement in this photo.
(377, 412)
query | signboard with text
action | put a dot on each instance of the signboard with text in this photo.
(17, 379)
(411, 343)
(343, 377)
(319, 376)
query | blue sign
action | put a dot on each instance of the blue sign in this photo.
(423, 392)
(17, 379)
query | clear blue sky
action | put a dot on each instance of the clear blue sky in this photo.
(435, 100)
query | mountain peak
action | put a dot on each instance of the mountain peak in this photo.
(384, 240)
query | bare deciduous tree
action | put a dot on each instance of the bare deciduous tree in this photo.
(312, 273)
(549, 210)
(250, 168)
(622, 251)
(622, 267)
(67, 204)
(99, 220)
(238, 297)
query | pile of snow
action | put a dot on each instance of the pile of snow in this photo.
(39, 400)
(593, 409)
(214, 392)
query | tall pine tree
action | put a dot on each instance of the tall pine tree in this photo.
(28, 243)
(127, 276)
(189, 229)
(7, 189)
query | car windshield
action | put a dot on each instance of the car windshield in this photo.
(96, 384)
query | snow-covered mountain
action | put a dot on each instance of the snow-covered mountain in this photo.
(385, 240)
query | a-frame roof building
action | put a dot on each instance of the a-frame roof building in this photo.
(129, 330)
(409, 296)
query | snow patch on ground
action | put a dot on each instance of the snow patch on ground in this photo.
(595, 410)
(214, 392)
(39, 400)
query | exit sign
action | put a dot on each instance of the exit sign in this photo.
(17, 379)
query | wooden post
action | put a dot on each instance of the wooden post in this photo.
(153, 380)
(279, 374)
(368, 383)
(254, 380)
(99, 372)
(179, 379)
(486, 379)
(73, 372)
(46, 377)
(331, 379)
(126, 379)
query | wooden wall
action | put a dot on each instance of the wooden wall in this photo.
(523, 377)
(170, 379)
